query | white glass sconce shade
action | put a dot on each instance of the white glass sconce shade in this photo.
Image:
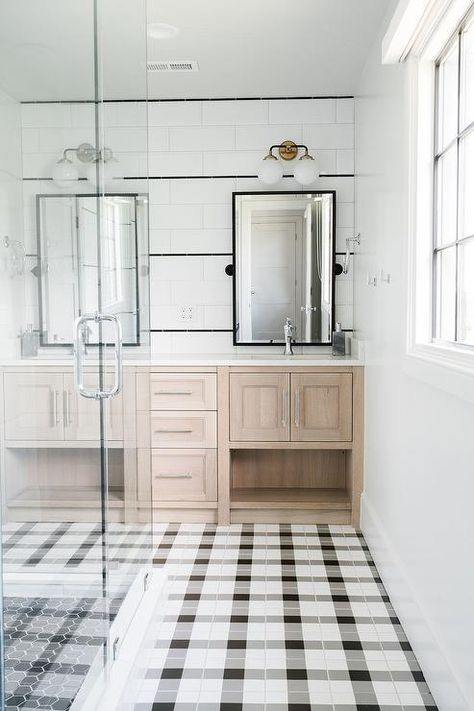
(101, 173)
(65, 173)
(306, 170)
(270, 171)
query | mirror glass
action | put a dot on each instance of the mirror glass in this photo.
(68, 263)
(283, 267)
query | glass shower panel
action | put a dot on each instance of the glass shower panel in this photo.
(55, 608)
(76, 535)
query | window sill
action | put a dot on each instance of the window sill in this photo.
(442, 367)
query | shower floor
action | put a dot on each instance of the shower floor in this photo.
(55, 618)
(50, 646)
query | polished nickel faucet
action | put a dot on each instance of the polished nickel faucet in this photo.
(86, 332)
(288, 330)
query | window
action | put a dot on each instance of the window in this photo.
(453, 244)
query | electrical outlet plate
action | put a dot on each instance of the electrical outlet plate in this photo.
(185, 313)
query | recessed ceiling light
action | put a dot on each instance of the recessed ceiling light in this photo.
(160, 30)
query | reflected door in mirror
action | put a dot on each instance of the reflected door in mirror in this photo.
(72, 262)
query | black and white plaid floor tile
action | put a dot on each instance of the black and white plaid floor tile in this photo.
(276, 617)
(73, 547)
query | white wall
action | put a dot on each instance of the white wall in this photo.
(189, 213)
(419, 471)
(11, 224)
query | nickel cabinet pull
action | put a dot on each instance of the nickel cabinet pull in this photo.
(284, 421)
(67, 408)
(54, 413)
(52, 407)
(174, 392)
(174, 475)
(297, 408)
(173, 431)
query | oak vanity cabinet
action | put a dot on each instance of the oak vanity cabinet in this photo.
(260, 407)
(290, 407)
(291, 449)
(183, 443)
(321, 407)
(50, 453)
(45, 407)
(33, 406)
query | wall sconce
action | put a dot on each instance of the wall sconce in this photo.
(350, 242)
(103, 168)
(100, 165)
(271, 170)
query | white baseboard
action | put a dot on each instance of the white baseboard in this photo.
(438, 673)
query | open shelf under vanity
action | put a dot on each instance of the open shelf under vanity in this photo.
(62, 484)
(276, 485)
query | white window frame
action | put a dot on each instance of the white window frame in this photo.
(417, 35)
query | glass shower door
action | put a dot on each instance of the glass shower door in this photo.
(123, 255)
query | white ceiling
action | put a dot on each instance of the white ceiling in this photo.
(243, 47)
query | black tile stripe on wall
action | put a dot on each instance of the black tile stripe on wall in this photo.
(208, 98)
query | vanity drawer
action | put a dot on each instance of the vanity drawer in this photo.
(184, 476)
(183, 391)
(184, 429)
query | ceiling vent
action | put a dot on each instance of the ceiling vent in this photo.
(171, 66)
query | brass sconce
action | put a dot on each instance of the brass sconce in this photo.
(271, 170)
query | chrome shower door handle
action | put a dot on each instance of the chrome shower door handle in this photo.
(79, 350)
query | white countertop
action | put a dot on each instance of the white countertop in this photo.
(254, 359)
(172, 359)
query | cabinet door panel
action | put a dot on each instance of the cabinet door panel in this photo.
(259, 407)
(33, 406)
(321, 407)
(82, 416)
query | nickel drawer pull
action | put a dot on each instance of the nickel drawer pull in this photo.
(174, 392)
(174, 475)
(173, 431)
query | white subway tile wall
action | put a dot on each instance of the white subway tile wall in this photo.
(11, 226)
(193, 151)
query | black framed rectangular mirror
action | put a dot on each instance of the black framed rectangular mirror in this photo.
(68, 262)
(283, 255)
